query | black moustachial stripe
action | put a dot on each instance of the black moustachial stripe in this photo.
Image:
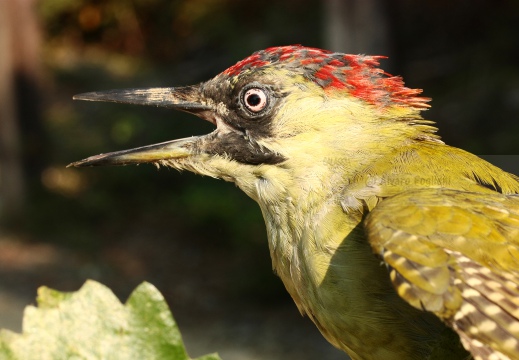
(240, 148)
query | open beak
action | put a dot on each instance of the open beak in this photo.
(186, 99)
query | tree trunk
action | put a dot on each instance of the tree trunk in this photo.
(12, 185)
(19, 105)
(357, 27)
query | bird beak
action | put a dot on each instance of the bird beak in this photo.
(186, 99)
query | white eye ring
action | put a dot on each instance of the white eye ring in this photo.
(255, 99)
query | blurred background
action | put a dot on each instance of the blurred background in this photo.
(201, 241)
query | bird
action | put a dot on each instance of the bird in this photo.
(395, 245)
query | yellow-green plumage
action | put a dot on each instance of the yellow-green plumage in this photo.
(333, 277)
(394, 244)
(476, 234)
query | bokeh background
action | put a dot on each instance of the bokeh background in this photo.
(201, 241)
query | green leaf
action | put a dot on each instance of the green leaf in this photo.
(92, 324)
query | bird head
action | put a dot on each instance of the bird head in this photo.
(280, 111)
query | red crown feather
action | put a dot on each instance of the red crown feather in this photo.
(358, 74)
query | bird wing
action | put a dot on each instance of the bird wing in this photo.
(456, 254)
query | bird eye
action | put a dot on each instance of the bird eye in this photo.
(255, 99)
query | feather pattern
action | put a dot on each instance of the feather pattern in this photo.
(461, 263)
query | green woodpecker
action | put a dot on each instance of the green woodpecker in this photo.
(394, 244)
